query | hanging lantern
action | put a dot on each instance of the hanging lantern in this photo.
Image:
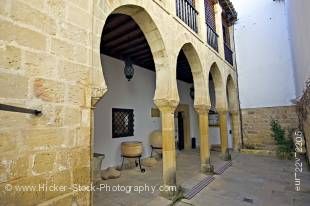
(128, 70)
(192, 92)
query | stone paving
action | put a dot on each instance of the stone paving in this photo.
(252, 180)
(255, 180)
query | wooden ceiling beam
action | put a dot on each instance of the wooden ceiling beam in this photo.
(134, 49)
(130, 36)
(120, 31)
(129, 44)
(123, 38)
(144, 60)
(141, 54)
(115, 21)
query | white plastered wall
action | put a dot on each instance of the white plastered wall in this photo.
(299, 30)
(138, 95)
(263, 54)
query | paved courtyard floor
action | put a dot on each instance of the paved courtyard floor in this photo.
(252, 180)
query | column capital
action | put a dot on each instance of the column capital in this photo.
(96, 94)
(234, 112)
(222, 110)
(165, 105)
(202, 109)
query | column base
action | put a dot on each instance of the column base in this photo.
(171, 192)
(207, 169)
(226, 156)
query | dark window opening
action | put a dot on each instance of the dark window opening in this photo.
(226, 34)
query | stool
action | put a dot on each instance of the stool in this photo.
(155, 149)
(137, 163)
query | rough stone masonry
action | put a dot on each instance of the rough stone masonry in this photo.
(45, 64)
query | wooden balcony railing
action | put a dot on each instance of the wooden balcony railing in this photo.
(187, 13)
(228, 54)
(212, 37)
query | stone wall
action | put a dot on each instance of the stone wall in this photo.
(306, 126)
(303, 108)
(45, 63)
(256, 124)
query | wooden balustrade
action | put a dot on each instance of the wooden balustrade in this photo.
(187, 13)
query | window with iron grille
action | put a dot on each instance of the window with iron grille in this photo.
(212, 36)
(122, 122)
(210, 13)
(226, 34)
(186, 11)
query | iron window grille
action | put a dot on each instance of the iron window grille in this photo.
(122, 122)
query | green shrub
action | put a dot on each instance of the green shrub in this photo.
(285, 143)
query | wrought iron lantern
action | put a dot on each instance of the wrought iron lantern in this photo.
(192, 92)
(128, 70)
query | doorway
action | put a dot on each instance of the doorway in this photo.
(229, 129)
(182, 127)
(181, 132)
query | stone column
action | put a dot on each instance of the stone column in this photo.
(224, 134)
(236, 128)
(219, 28)
(96, 94)
(203, 114)
(168, 145)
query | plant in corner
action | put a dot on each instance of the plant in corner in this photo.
(285, 144)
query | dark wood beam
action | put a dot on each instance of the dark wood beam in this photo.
(132, 35)
(145, 59)
(134, 50)
(120, 31)
(115, 21)
(129, 44)
(141, 57)
(142, 54)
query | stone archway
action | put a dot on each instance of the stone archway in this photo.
(219, 87)
(154, 39)
(197, 72)
(231, 93)
(233, 109)
(165, 97)
(220, 107)
(201, 102)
